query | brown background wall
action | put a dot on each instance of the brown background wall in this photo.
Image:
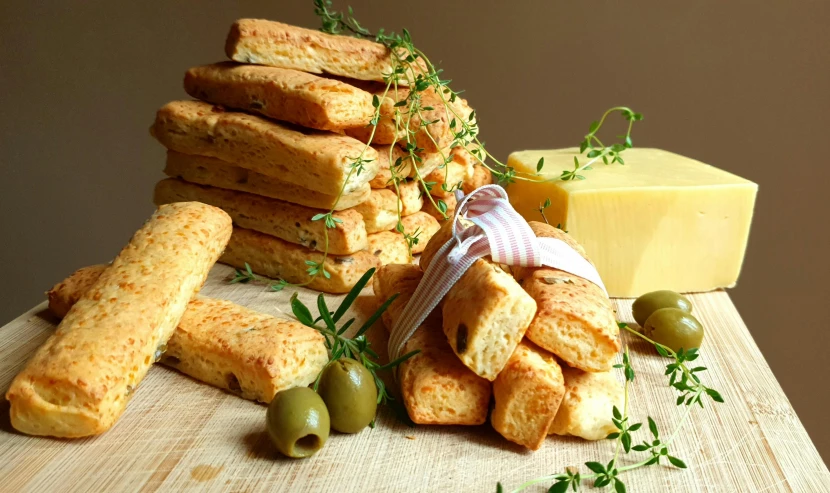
(742, 85)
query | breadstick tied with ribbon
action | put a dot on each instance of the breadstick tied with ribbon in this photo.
(486, 312)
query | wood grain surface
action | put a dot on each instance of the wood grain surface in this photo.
(178, 434)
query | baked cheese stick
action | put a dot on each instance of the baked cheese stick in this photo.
(402, 279)
(527, 392)
(388, 156)
(319, 161)
(283, 94)
(225, 345)
(486, 313)
(432, 211)
(290, 222)
(411, 198)
(389, 247)
(380, 212)
(575, 320)
(437, 134)
(79, 381)
(587, 407)
(436, 387)
(280, 45)
(453, 174)
(478, 177)
(422, 226)
(279, 259)
(214, 172)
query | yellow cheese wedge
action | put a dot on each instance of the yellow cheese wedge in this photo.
(661, 221)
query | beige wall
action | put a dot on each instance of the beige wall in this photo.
(742, 85)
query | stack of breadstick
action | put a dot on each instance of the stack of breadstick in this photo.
(539, 341)
(281, 135)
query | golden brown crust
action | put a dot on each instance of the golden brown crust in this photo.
(411, 198)
(400, 279)
(290, 222)
(575, 320)
(272, 43)
(67, 292)
(528, 392)
(78, 383)
(276, 258)
(486, 314)
(226, 345)
(587, 407)
(214, 172)
(312, 159)
(283, 94)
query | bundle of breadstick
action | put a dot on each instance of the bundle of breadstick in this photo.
(281, 135)
(540, 341)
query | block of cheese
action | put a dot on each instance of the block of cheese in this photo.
(661, 221)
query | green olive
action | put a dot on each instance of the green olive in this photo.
(674, 328)
(298, 422)
(349, 391)
(648, 303)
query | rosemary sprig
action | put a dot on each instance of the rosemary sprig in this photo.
(356, 347)
(542, 208)
(655, 448)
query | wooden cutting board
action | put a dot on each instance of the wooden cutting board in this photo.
(179, 434)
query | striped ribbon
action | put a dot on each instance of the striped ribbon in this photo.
(484, 224)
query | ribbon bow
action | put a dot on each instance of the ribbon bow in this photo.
(484, 224)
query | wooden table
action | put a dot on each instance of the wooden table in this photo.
(180, 434)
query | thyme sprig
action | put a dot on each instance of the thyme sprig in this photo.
(356, 347)
(655, 448)
(246, 275)
(596, 150)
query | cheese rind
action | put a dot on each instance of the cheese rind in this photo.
(661, 221)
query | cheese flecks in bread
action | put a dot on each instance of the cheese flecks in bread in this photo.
(527, 392)
(214, 172)
(586, 409)
(421, 226)
(283, 94)
(575, 320)
(290, 222)
(226, 345)
(389, 247)
(486, 314)
(79, 382)
(312, 159)
(276, 44)
(279, 259)
(436, 387)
